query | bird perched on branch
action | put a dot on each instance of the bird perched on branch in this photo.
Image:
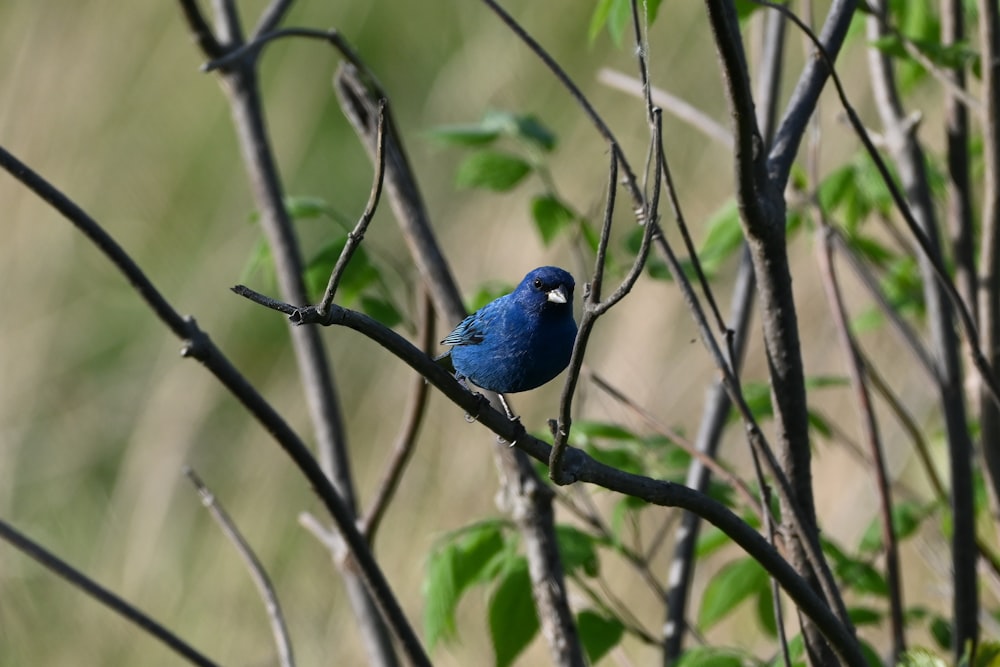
(521, 340)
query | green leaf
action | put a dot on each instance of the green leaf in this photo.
(495, 124)
(465, 134)
(259, 262)
(819, 424)
(382, 310)
(621, 458)
(440, 596)
(988, 654)
(360, 272)
(906, 518)
(765, 611)
(512, 616)
(599, 19)
(464, 558)
(706, 656)
(492, 170)
(304, 208)
(613, 14)
(863, 578)
(796, 653)
(551, 216)
(724, 237)
(487, 292)
(588, 431)
(593, 239)
(941, 630)
(903, 285)
(874, 252)
(598, 634)
(921, 657)
(531, 130)
(758, 398)
(744, 8)
(871, 655)
(710, 540)
(733, 584)
(865, 616)
(577, 550)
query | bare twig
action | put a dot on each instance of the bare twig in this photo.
(240, 81)
(271, 17)
(959, 199)
(357, 235)
(198, 345)
(670, 103)
(705, 460)
(200, 29)
(59, 567)
(907, 335)
(593, 306)
(256, 569)
(989, 261)
(413, 415)
(902, 144)
(807, 90)
(582, 468)
(869, 427)
(357, 89)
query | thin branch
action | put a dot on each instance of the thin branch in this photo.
(413, 415)
(908, 337)
(593, 308)
(358, 90)
(702, 458)
(902, 144)
(959, 198)
(952, 88)
(989, 261)
(965, 320)
(240, 81)
(629, 181)
(762, 215)
(580, 467)
(271, 17)
(256, 569)
(670, 103)
(811, 82)
(357, 235)
(200, 29)
(120, 606)
(198, 345)
(869, 427)
(227, 22)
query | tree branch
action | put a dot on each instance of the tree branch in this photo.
(256, 569)
(120, 606)
(582, 468)
(198, 345)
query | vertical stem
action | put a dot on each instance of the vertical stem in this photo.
(855, 369)
(989, 279)
(242, 86)
(909, 158)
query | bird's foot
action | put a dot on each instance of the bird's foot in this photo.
(482, 402)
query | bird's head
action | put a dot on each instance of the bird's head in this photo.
(547, 288)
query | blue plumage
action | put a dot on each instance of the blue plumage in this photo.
(521, 340)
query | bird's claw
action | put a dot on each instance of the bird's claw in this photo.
(481, 402)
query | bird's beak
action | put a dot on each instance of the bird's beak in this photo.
(558, 295)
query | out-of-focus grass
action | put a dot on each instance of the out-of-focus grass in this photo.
(97, 411)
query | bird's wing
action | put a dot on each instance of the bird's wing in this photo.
(469, 331)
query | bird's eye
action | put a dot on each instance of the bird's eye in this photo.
(538, 283)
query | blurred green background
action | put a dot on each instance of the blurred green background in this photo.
(98, 413)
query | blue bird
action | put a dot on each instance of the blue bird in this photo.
(521, 340)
